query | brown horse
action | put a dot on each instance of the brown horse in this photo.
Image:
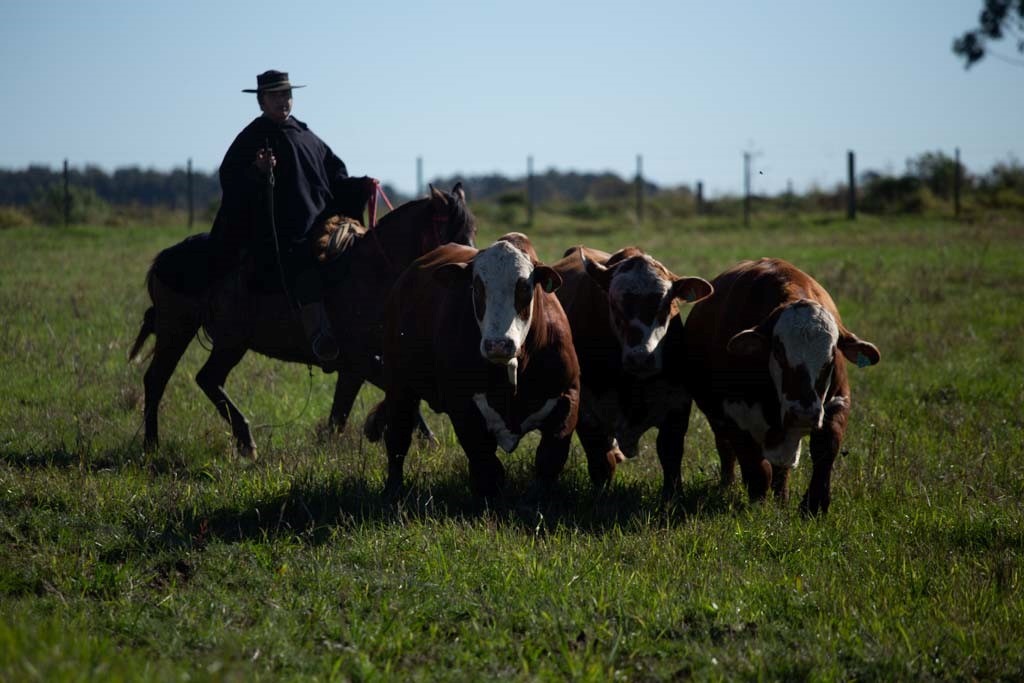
(238, 321)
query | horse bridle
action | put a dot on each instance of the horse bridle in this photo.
(439, 225)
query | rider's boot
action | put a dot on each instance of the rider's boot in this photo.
(318, 331)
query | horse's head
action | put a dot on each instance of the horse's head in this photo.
(416, 227)
(450, 218)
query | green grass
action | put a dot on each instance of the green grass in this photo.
(192, 563)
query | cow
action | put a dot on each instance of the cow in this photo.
(480, 336)
(762, 361)
(622, 309)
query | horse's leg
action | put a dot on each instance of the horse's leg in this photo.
(345, 391)
(211, 380)
(170, 345)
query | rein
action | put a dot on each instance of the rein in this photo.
(378, 191)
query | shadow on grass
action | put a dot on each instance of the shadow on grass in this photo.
(313, 509)
(171, 459)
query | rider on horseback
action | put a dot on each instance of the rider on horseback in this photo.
(279, 183)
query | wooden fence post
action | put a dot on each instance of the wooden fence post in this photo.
(639, 188)
(191, 198)
(851, 191)
(956, 184)
(700, 197)
(529, 190)
(67, 195)
(746, 189)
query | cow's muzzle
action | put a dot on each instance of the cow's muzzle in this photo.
(803, 418)
(499, 351)
(640, 363)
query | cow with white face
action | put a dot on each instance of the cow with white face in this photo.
(643, 298)
(624, 312)
(480, 336)
(763, 361)
(504, 278)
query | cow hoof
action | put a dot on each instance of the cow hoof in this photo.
(670, 491)
(427, 436)
(248, 451)
(814, 507)
(392, 491)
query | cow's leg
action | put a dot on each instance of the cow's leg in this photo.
(549, 461)
(400, 418)
(727, 458)
(670, 444)
(602, 454)
(375, 377)
(756, 471)
(486, 473)
(170, 345)
(825, 444)
(211, 378)
(780, 483)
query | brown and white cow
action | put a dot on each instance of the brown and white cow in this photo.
(623, 310)
(762, 362)
(480, 336)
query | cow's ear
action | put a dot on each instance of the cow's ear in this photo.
(453, 274)
(857, 350)
(547, 277)
(597, 271)
(692, 289)
(748, 343)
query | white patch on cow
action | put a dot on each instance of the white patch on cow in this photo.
(641, 280)
(507, 439)
(750, 418)
(500, 266)
(787, 453)
(838, 401)
(808, 336)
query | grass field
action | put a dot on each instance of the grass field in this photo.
(193, 564)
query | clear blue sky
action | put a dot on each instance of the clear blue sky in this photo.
(476, 87)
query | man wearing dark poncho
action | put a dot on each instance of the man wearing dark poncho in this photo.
(279, 182)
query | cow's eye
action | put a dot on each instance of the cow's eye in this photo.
(479, 300)
(524, 294)
(824, 378)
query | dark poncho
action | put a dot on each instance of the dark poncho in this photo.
(310, 183)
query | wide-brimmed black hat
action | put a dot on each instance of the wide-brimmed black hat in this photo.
(273, 81)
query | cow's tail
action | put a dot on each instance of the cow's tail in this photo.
(148, 328)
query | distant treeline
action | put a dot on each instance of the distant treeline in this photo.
(131, 185)
(931, 180)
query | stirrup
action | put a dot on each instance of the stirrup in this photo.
(325, 347)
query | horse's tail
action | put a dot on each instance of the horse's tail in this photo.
(148, 328)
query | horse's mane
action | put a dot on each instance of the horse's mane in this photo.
(462, 220)
(460, 223)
